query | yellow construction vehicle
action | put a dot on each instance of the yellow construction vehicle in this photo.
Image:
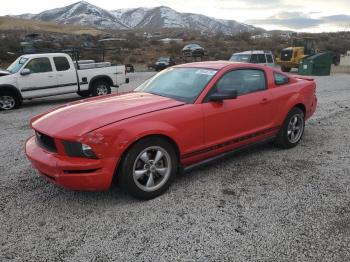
(291, 56)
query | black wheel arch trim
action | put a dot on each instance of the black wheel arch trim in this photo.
(100, 77)
(12, 89)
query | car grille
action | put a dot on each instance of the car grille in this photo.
(46, 142)
(286, 55)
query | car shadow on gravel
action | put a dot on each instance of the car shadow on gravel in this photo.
(230, 158)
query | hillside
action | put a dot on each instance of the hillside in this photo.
(14, 24)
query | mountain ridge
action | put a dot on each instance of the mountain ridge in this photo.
(86, 14)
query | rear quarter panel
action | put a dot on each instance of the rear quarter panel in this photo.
(287, 96)
(116, 73)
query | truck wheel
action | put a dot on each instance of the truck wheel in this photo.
(84, 93)
(285, 69)
(292, 129)
(9, 100)
(101, 88)
(148, 168)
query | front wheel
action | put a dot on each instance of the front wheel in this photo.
(148, 168)
(292, 129)
(101, 88)
(9, 100)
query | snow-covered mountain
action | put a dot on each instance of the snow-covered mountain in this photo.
(165, 17)
(83, 13)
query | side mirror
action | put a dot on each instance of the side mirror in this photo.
(219, 97)
(25, 72)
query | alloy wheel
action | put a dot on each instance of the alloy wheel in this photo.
(7, 102)
(152, 168)
(102, 90)
(295, 128)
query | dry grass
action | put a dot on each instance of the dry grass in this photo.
(15, 24)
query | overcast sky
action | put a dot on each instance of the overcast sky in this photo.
(298, 15)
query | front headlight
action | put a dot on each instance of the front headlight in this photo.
(76, 149)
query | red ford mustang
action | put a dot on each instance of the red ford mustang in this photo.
(184, 116)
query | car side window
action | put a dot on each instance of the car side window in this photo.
(39, 65)
(281, 79)
(244, 81)
(61, 63)
(261, 59)
(269, 59)
(254, 59)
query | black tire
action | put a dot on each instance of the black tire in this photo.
(100, 87)
(285, 69)
(9, 100)
(132, 162)
(284, 137)
(84, 93)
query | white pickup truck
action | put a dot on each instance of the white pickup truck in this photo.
(40, 75)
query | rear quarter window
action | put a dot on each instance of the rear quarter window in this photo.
(281, 79)
(61, 63)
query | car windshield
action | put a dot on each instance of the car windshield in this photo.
(182, 84)
(17, 65)
(163, 59)
(192, 46)
(240, 58)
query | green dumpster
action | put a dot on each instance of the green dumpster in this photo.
(316, 65)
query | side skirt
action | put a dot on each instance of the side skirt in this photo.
(208, 161)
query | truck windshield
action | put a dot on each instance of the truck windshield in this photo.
(182, 84)
(17, 65)
(240, 58)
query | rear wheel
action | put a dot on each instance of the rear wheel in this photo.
(9, 100)
(101, 88)
(292, 130)
(148, 168)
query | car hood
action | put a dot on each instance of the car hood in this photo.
(76, 119)
(4, 72)
(7, 79)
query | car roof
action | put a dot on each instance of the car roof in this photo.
(218, 65)
(254, 52)
(44, 55)
(192, 44)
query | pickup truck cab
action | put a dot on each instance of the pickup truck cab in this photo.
(41, 75)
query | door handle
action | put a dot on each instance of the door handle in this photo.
(265, 101)
(51, 76)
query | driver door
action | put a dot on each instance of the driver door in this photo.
(41, 81)
(230, 123)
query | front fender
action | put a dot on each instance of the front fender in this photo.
(116, 138)
(137, 131)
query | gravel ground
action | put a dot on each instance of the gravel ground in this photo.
(265, 204)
